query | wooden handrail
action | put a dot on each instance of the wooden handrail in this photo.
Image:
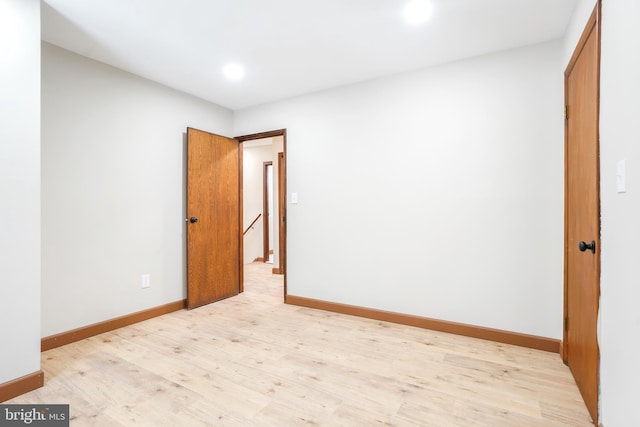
(254, 221)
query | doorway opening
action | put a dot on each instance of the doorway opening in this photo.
(267, 209)
(263, 199)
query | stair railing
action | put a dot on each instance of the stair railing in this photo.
(252, 224)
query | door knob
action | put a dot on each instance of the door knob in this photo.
(583, 246)
(193, 219)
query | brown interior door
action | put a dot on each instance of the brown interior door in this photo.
(582, 215)
(213, 218)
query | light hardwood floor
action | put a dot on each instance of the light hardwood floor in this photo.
(253, 361)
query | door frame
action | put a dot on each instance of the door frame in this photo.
(282, 212)
(593, 24)
(282, 223)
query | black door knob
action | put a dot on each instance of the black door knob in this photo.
(193, 219)
(583, 246)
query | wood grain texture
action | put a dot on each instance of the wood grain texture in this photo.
(514, 338)
(251, 360)
(21, 385)
(78, 334)
(582, 213)
(214, 242)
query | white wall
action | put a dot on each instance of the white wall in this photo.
(113, 179)
(620, 276)
(436, 193)
(19, 188)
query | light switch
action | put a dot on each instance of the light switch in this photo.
(294, 198)
(621, 176)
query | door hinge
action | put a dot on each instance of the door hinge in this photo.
(566, 112)
(566, 323)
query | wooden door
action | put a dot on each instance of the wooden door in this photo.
(582, 215)
(213, 218)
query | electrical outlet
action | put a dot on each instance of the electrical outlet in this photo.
(146, 280)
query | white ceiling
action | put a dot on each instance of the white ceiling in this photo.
(289, 47)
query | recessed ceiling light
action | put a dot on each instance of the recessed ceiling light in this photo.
(418, 11)
(233, 71)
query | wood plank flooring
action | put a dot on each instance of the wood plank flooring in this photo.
(252, 361)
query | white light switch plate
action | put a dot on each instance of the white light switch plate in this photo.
(621, 176)
(294, 198)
